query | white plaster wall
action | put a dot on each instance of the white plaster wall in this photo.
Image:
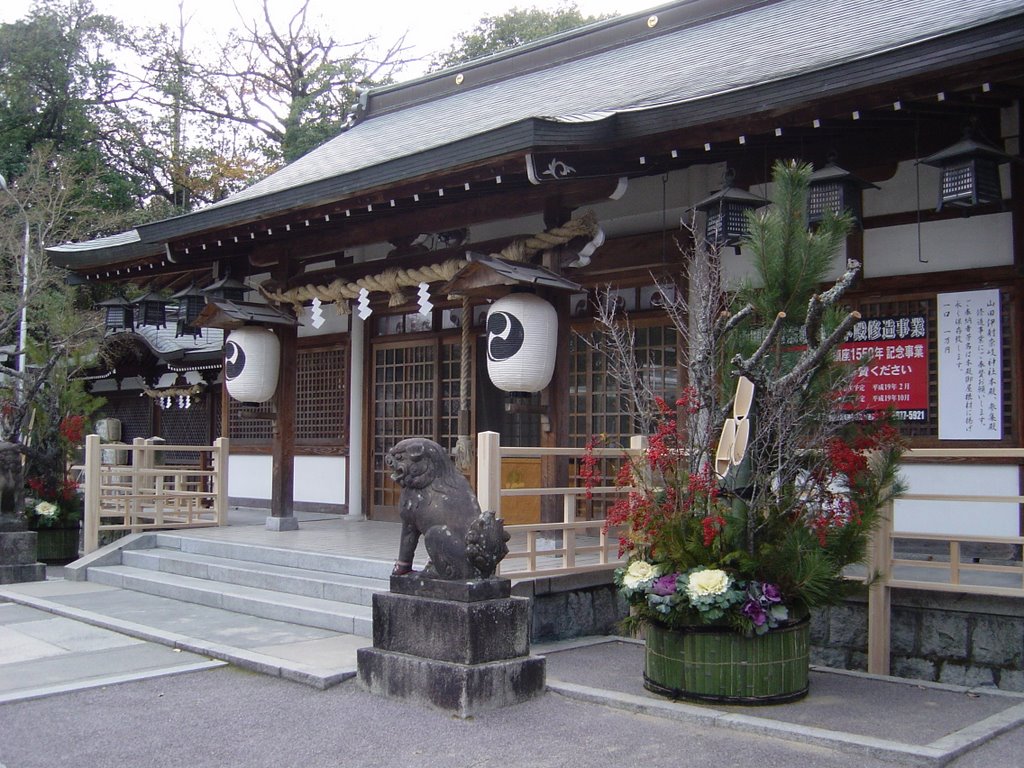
(977, 241)
(980, 518)
(249, 476)
(319, 479)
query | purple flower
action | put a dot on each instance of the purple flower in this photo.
(771, 593)
(665, 585)
(753, 611)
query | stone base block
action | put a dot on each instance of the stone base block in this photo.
(441, 589)
(451, 630)
(18, 558)
(461, 689)
(289, 523)
(16, 574)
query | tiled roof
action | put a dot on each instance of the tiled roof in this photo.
(764, 44)
(681, 67)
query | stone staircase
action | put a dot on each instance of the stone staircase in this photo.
(313, 589)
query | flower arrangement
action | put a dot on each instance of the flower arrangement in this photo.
(52, 505)
(758, 541)
(698, 555)
(52, 498)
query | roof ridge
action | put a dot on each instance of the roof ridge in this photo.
(550, 51)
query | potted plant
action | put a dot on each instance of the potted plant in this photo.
(756, 490)
(53, 505)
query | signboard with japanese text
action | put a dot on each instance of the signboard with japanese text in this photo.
(970, 366)
(892, 374)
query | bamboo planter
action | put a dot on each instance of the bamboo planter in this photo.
(57, 546)
(716, 664)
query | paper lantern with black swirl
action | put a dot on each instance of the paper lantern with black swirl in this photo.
(251, 360)
(522, 338)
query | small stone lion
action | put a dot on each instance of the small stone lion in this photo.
(437, 503)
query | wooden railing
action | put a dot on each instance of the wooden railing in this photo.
(944, 567)
(147, 494)
(551, 548)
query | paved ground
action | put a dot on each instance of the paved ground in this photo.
(72, 694)
(88, 694)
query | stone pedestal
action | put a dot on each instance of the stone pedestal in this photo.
(18, 558)
(459, 646)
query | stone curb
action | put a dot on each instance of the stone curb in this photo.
(41, 692)
(938, 753)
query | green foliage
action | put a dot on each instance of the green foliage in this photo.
(792, 261)
(494, 34)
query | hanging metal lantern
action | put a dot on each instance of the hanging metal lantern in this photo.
(834, 189)
(726, 212)
(152, 310)
(191, 302)
(521, 342)
(119, 314)
(226, 288)
(970, 173)
(251, 359)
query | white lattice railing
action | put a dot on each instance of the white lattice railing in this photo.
(146, 494)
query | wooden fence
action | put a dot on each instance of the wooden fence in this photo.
(146, 493)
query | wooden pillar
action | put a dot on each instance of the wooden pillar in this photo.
(554, 470)
(282, 480)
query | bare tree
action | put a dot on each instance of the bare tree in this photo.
(61, 327)
(290, 83)
(778, 333)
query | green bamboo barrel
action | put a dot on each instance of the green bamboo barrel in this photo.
(57, 545)
(716, 664)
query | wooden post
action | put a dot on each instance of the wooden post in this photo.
(569, 534)
(93, 478)
(488, 472)
(554, 470)
(282, 481)
(879, 594)
(138, 463)
(221, 451)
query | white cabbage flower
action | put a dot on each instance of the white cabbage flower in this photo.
(707, 583)
(46, 509)
(637, 573)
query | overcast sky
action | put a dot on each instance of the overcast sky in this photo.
(428, 26)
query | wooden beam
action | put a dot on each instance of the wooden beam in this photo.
(392, 223)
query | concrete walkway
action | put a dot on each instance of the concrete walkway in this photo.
(886, 719)
(60, 639)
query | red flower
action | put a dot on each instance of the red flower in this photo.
(72, 429)
(712, 527)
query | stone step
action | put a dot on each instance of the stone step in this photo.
(290, 558)
(333, 615)
(327, 585)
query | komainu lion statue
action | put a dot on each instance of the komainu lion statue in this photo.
(437, 503)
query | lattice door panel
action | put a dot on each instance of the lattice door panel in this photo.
(135, 414)
(320, 395)
(404, 405)
(185, 426)
(595, 397)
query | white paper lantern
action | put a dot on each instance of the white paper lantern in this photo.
(251, 360)
(522, 338)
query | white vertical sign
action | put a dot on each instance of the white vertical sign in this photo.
(970, 366)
